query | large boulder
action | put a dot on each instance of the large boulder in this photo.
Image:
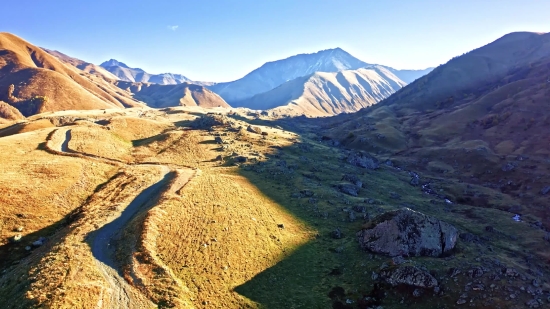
(408, 233)
(254, 129)
(363, 160)
(409, 275)
(349, 189)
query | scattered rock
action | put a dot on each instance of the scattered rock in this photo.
(16, 238)
(39, 242)
(359, 209)
(407, 232)
(254, 129)
(353, 179)
(307, 193)
(265, 133)
(475, 272)
(545, 190)
(395, 196)
(348, 189)
(281, 226)
(19, 229)
(363, 160)
(409, 275)
(336, 234)
(241, 159)
(210, 120)
(219, 158)
(469, 237)
(508, 167)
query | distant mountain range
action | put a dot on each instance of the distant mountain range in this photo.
(324, 83)
(273, 74)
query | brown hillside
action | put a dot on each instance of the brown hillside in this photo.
(184, 94)
(9, 112)
(462, 75)
(34, 82)
(82, 65)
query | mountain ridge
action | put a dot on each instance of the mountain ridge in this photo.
(328, 93)
(274, 73)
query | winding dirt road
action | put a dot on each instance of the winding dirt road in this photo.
(121, 294)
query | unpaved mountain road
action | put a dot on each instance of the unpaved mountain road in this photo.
(121, 294)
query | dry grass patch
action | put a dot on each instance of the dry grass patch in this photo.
(99, 142)
(132, 128)
(222, 233)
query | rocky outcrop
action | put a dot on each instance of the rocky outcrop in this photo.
(348, 189)
(408, 233)
(210, 120)
(409, 275)
(363, 160)
(254, 129)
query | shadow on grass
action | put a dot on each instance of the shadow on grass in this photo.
(305, 277)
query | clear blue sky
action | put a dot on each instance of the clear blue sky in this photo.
(223, 40)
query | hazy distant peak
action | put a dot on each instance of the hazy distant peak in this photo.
(113, 63)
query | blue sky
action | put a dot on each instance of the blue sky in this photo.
(223, 40)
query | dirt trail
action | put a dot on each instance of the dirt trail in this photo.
(121, 294)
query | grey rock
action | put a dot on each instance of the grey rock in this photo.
(508, 167)
(348, 189)
(409, 275)
(363, 160)
(353, 179)
(409, 233)
(417, 293)
(359, 209)
(414, 181)
(336, 234)
(545, 190)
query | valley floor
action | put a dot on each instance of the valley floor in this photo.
(179, 208)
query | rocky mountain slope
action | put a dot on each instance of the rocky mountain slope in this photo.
(482, 118)
(34, 81)
(273, 74)
(327, 94)
(184, 94)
